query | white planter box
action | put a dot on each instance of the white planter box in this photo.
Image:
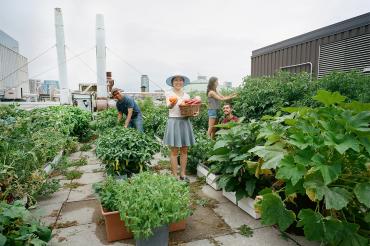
(247, 204)
(202, 171)
(49, 167)
(211, 179)
(229, 195)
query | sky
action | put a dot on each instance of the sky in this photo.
(163, 37)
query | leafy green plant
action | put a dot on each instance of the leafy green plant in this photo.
(199, 152)
(106, 119)
(78, 163)
(86, 147)
(321, 154)
(238, 169)
(108, 192)
(266, 95)
(18, 227)
(74, 174)
(148, 200)
(125, 150)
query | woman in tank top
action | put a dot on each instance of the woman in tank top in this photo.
(214, 101)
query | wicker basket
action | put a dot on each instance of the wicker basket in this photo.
(189, 110)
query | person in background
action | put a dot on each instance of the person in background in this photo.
(127, 105)
(179, 131)
(228, 114)
(214, 100)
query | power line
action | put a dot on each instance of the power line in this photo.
(133, 67)
(55, 67)
(34, 59)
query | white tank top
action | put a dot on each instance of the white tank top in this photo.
(175, 111)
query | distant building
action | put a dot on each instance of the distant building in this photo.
(144, 83)
(49, 86)
(343, 46)
(34, 85)
(200, 84)
(14, 84)
(9, 42)
(228, 84)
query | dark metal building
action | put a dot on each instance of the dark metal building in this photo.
(342, 46)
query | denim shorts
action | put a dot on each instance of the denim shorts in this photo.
(212, 113)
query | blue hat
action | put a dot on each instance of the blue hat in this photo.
(169, 80)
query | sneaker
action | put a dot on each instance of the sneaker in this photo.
(184, 178)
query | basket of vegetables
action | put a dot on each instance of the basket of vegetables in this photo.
(190, 107)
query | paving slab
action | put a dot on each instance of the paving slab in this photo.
(90, 178)
(204, 242)
(74, 156)
(46, 210)
(90, 168)
(58, 197)
(84, 212)
(234, 216)
(303, 241)
(87, 234)
(84, 192)
(213, 194)
(261, 237)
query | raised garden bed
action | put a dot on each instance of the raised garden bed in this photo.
(230, 195)
(211, 179)
(247, 205)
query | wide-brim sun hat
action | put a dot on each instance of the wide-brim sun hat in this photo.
(186, 79)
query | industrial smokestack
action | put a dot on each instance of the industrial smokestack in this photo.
(61, 53)
(101, 57)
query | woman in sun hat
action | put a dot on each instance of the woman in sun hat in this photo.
(179, 131)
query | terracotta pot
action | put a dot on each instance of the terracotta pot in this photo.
(115, 227)
(178, 226)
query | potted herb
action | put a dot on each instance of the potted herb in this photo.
(108, 193)
(149, 202)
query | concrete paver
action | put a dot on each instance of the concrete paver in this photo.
(261, 237)
(204, 242)
(90, 168)
(58, 197)
(234, 216)
(84, 212)
(80, 235)
(212, 193)
(84, 192)
(90, 178)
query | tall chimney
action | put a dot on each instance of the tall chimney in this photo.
(101, 57)
(61, 53)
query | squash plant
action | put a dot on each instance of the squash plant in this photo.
(148, 200)
(231, 160)
(18, 227)
(322, 154)
(125, 150)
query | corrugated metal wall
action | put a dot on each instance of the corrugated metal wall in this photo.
(302, 53)
(13, 71)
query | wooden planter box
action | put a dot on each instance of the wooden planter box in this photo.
(247, 204)
(116, 229)
(230, 195)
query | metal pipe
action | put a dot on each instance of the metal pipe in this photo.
(300, 64)
(101, 57)
(61, 53)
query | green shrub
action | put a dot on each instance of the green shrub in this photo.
(199, 152)
(148, 200)
(108, 192)
(125, 150)
(18, 227)
(354, 85)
